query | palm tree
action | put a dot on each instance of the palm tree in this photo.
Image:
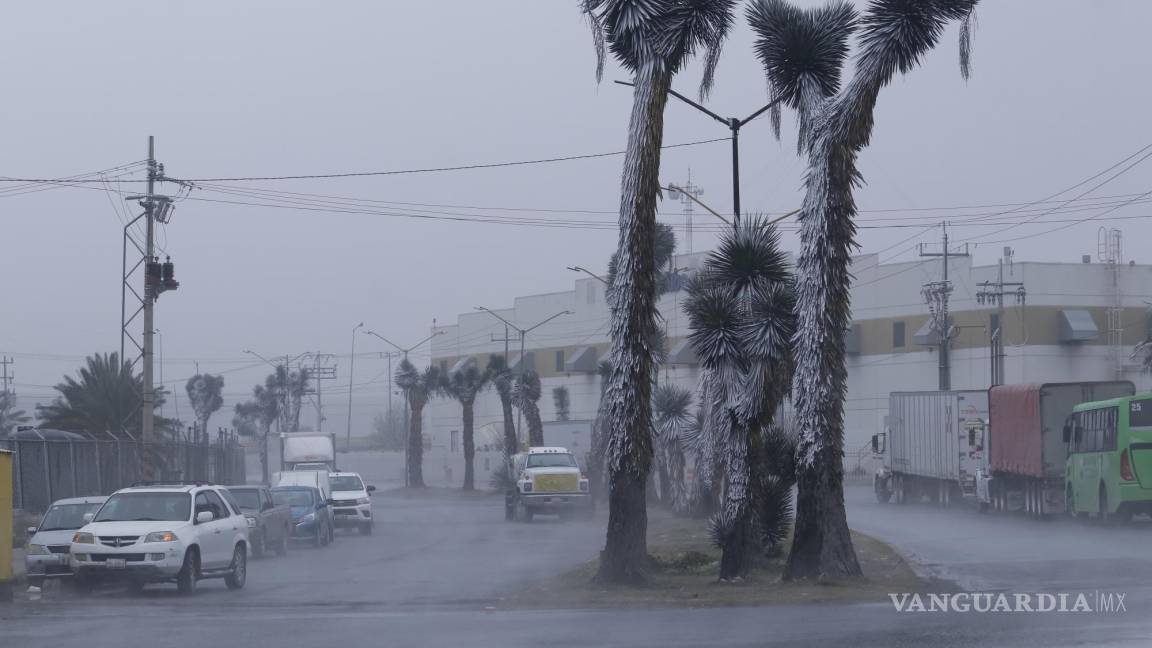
(464, 385)
(671, 411)
(204, 392)
(525, 395)
(740, 308)
(418, 387)
(104, 400)
(255, 418)
(802, 53)
(652, 39)
(10, 417)
(599, 441)
(562, 403)
(503, 379)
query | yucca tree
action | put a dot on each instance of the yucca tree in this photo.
(672, 416)
(802, 52)
(255, 418)
(599, 442)
(740, 308)
(10, 417)
(463, 386)
(105, 399)
(204, 393)
(418, 387)
(291, 386)
(526, 397)
(653, 40)
(503, 379)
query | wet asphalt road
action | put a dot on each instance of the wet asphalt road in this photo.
(436, 566)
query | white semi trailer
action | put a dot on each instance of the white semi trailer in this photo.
(935, 446)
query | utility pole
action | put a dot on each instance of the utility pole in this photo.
(994, 293)
(683, 193)
(5, 361)
(321, 372)
(158, 278)
(936, 294)
(351, 369)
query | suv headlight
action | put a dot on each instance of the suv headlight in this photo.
(160, 536)
(363, 500)
(307, 519)
(83, 537)
(251, 522)
(37, 550)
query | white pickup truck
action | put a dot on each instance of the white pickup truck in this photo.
(547, 480)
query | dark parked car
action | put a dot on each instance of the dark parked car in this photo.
(311, 513)
(269, 524)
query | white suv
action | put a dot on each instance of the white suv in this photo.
(159, 532)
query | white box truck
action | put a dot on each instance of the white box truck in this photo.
(308, 451)
(935, 446)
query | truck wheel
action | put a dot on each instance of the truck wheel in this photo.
(366, 529)
(1105, 516)
(239, 574)
(883, 494)
(257, 540)
(320, 539)
(189, 572)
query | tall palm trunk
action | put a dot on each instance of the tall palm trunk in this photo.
(469, 444)
(265, 474)
(510, 443)
(628, 407)
(416, 446)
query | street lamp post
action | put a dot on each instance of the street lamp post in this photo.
(351, 370)
(524, 334)
(407, 402)
(734, 125)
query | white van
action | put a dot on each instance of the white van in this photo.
(315, 478)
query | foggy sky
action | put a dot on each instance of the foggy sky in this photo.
(266, 87)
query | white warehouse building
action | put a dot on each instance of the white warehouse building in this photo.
(1073, 322)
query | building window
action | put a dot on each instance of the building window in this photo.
(560, 360)
(897, 335)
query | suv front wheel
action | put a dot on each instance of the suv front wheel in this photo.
(189, 572)
(239, 574)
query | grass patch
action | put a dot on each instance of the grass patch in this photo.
(685, 572)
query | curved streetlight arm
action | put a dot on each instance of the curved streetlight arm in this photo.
(675, 189)
(266, 360)
(695, 105)
(533, 328)
(421, 342)
(493, 314)
(589, 273)
(394, 345)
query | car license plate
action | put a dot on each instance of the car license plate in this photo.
(116, 563)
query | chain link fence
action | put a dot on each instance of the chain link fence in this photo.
(44, 471)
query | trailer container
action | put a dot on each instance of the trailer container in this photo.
(1027, 452)
(934, 445)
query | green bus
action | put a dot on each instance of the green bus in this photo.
(1109, 467)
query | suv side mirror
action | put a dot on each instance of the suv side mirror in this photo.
(875, 444)
(204, 516)
(267, 506)
(31, 531)
(371, 489)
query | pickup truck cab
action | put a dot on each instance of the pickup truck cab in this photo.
(351, 503)
(311, 513)
(547, 481)
(160, 532)
(46, 555)
(269, 524)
